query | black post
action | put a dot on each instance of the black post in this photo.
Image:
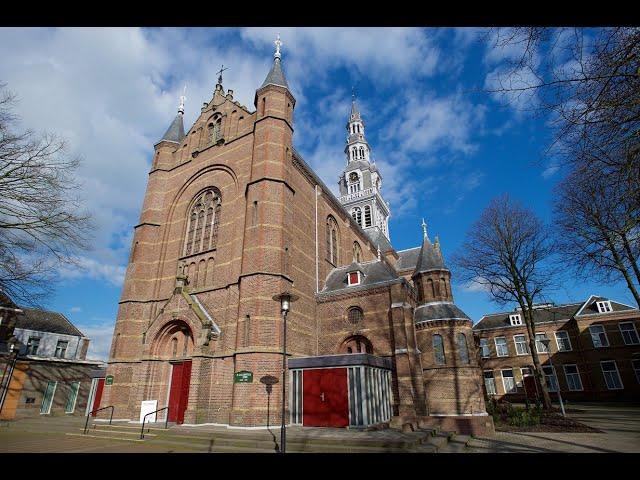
(283, 429)
(5, 391)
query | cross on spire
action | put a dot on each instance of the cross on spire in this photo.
(424, 229)
(182, 99)
(222, 69)
(278, 44)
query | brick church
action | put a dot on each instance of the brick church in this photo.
(232, 217)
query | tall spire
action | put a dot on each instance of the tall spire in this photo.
(175, 132)
(276, 75)
(424, 230)
(430, 257)
(182, 99)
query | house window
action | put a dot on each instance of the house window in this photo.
(563, 341)
(515, 319)
(71, 399)
(604, 306)
(463, 350)
(32, 345)
(489, 382)
(524, 372)
(629, 333)
(356, 213)
(573, 377)
(508, 382)
(61, 349)
(438, 350)
(484, 348)
(501, 347)
(611, 375)
(355, 315)
(598, 336)
(354, 278)
(541, 347)
(47, 398)
(636, 368)
(550, 378)
(521, 344)
(367, 216)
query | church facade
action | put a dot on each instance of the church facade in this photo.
(232, 217)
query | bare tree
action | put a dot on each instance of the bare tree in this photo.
(41, 223)
(508, 251)
(598, 229)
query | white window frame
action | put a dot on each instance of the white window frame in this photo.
(604, 306)
(558, 341)
(604, 331)
(75, 400)
(538, 343)
(63, 354)
(359, 278)
(44, 396)
(482, 355)
(526, 346)
(504, 385)
(566, 377)
(553, 375)
(493, 380)
(506, 346)
(617, 373)
(633, 326)
(522, 374)
(515, 319)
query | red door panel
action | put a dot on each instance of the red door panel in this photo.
(179, 392)
(324, 398)
(98, 396)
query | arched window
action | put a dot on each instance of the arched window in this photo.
(463, 351)
(202, 227)
(438, 350)
(356, 213)
(210, 133)
(332, 240)
(430, 288)
(367, 216)
(355, 315)
(217, 130)
(443, 287)
(354, 182)
(361, 152)
(357, 252)
(174, 347)
(357, 344)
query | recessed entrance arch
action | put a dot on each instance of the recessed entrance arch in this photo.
(174, 344)
(356, 344)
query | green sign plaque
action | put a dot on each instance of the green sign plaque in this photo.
(108, 380)
(243, 377)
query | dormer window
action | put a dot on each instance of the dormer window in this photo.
(515, 319)
(604, 306)
(354, 278)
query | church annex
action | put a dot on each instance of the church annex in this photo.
(232, 217)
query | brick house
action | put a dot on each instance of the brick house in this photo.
(46, 373)
(594, 348)
(232, 217)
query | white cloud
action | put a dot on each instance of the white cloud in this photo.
(75, 309)
(91, 268)
(100, 335)
(476, 285)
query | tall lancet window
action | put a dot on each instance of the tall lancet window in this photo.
(367, 216)
(357, 215)
(204, 217)
(332, 240)
(357, 252)
(463, 350)
(361, 152)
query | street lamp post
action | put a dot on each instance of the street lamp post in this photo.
(285, 300)
(10, 367)
(546, 342)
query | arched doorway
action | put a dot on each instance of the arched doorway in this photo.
(174, 344)
(356, 344)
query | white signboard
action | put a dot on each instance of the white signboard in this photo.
(148, 406)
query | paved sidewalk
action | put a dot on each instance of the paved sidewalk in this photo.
(620, 426)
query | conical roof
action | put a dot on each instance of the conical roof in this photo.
(430, 258)
(175, 132)
(275, 76)
(355, 113)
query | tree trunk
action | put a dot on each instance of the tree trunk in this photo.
(537, 367)
(623, 270)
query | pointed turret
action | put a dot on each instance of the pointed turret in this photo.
(430, 257)
(175, 132)
(276, 75)
(431, 276)
(273, 98)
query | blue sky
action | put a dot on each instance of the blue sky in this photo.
(443, 146)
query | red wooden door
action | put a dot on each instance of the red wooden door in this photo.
(179, 393)
(324, 398)
(98, 396)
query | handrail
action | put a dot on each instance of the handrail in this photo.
(95, 411)
(166, 421)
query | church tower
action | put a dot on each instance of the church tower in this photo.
(360, 182)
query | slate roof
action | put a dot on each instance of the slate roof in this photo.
(362, 165)
(590, 306)
(543, 314)
(355, 113)
(373, 272)
(378, 238)
(45, 321)
(407, 259)
(175, 132)
(275, 76)
(438, 311)
(429, 258)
